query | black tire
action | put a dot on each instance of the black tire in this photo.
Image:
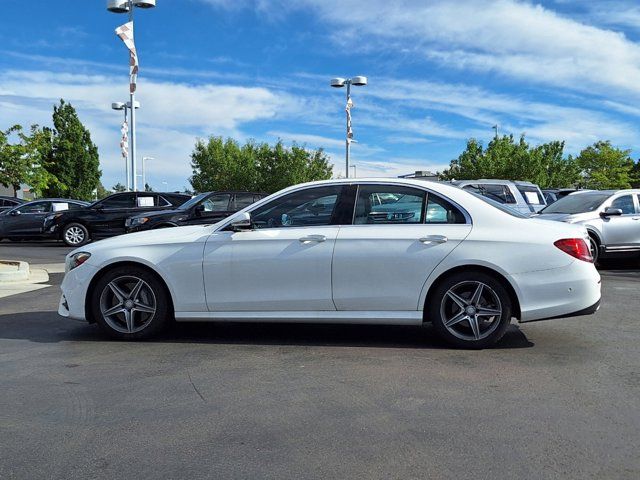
(452, 302)
(75, 235)
(143, 324)
(594, 247)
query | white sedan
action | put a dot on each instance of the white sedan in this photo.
(380, 251)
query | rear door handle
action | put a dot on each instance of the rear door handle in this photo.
(433, 239)
(312, 239)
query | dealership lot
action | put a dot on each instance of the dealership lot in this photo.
(554, 399)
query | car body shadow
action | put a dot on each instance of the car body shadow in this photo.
(47, 327)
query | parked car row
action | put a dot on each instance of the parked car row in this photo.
(76, 222)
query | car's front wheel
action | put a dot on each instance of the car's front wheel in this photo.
(470, 310)
(75, 235)
(130, 303)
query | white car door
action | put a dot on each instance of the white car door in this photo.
(382, 261)
(283, 263)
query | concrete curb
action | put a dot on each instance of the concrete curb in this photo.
(11, 271)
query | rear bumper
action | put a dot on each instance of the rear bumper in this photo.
(557, 293)
(585, 311)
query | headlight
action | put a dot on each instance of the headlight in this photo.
(135, 221)
(76, 260)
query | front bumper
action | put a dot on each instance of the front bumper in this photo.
(74, 292)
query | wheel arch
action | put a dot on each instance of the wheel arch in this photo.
(515, 301)
(118, 264)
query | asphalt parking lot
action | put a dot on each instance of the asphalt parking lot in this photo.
(555, 399)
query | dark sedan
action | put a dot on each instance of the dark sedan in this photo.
(206, 208)
(25, 221)
(106, 217)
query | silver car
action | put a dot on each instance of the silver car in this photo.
(612, 218)
(524, 197)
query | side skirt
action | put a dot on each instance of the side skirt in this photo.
(361, 317)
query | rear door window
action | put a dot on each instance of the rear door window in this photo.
(243, 200)
(531, 195)
(126, 200)
(440, 210)
(388, 204)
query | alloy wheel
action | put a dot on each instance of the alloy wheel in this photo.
(128, 304)
(471, 310)
(74, 235)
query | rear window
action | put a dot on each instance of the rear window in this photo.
(496, 192)
(500, 206)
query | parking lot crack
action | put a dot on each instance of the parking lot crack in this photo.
(195, 389)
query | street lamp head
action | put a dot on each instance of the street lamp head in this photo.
(118, 6)
(359, 81)
(338, 82)
(144, 3)
(117, 105)
(135, 102)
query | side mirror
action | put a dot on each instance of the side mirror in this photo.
(16, 213)
(611, 212)
(242, 223)
(100, 208)
(198, 210)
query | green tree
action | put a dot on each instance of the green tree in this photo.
(118, 187)
(25, 160)
(102, 192)
(635, 182)
(73, 158)
(508, 159)
(604, 167)
(225, 165)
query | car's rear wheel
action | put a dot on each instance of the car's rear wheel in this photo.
(470, 310)
(594, 248)
(130, 303)
(75, 235)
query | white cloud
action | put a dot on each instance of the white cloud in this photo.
(171, 117)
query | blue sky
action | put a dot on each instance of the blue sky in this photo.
(439, 72)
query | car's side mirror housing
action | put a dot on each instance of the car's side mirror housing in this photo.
(611, 212)
(99, 208)
(242, 223)
(198, 210)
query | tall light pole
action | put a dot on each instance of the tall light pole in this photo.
(127, 6)
(124, 107)
(495, 127)
(144, 170)
(354, 171)
(358, 81)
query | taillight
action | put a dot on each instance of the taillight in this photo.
(576, 247)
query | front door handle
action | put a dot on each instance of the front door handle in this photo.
(433, 239)
(312, 239)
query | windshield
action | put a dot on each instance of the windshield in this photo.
(499, 206)
(190, 203)
(577, 203)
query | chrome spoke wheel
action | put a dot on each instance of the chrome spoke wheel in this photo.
(128, 304)
(471, 310)
(74, 235)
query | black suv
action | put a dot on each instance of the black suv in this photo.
(206, 208)
(106, 217)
